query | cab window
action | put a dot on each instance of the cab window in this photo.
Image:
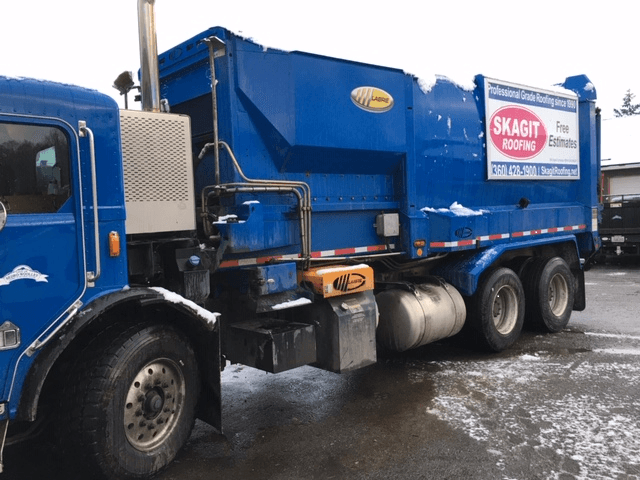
(34, 168)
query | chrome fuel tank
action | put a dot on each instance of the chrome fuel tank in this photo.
(418, 314)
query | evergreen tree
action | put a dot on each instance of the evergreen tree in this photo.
(627, 107)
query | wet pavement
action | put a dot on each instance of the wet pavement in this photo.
(563, 406)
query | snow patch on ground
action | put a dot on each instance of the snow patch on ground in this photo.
(570, 433)
(620, 336)
(618, 351)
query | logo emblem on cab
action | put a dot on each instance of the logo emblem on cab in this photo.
(23, 272)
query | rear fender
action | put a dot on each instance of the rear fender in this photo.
(465, 273)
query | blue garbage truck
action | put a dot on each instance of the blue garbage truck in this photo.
(274, 209)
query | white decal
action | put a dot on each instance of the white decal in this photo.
(23, 272)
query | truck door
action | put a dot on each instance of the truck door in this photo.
(41, 247)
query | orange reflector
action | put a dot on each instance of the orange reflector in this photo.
(334, 280)
(114, 244)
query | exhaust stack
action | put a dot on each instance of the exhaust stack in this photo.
(150, 78)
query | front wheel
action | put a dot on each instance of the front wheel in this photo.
(134, 404)
(496, 310)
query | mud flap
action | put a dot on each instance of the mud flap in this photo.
(210, 403)
(579, 299)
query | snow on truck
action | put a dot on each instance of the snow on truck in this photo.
(291, 210)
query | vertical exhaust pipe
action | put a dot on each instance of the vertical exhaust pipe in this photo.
(150, 77)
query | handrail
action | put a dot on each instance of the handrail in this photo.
(85, 131)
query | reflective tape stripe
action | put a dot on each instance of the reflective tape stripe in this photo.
(321, 254)
(505, 236)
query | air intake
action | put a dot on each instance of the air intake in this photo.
(158, 172)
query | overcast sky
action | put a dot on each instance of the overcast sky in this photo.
(538, 43)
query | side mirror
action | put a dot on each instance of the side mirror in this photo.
(124, 83)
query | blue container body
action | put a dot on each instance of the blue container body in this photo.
(291, 116)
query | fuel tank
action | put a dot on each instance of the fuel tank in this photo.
(413, 315)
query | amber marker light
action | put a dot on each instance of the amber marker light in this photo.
(114, 244)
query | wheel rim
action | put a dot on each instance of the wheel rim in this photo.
(504, 310)
(558, 295)
(154, 404)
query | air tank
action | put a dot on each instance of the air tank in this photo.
(417, 314)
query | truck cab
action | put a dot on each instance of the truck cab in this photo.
(64, 273)
(48, 265)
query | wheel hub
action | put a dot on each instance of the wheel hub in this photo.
(558, 295)
(153, 404)
(504, 310)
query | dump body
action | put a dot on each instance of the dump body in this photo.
(416, 150)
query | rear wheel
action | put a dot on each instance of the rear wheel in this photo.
(496, 310)
(133, 407)
(550, 291)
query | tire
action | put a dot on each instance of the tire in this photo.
(496, 310)
(132, 407)
(550, 291)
